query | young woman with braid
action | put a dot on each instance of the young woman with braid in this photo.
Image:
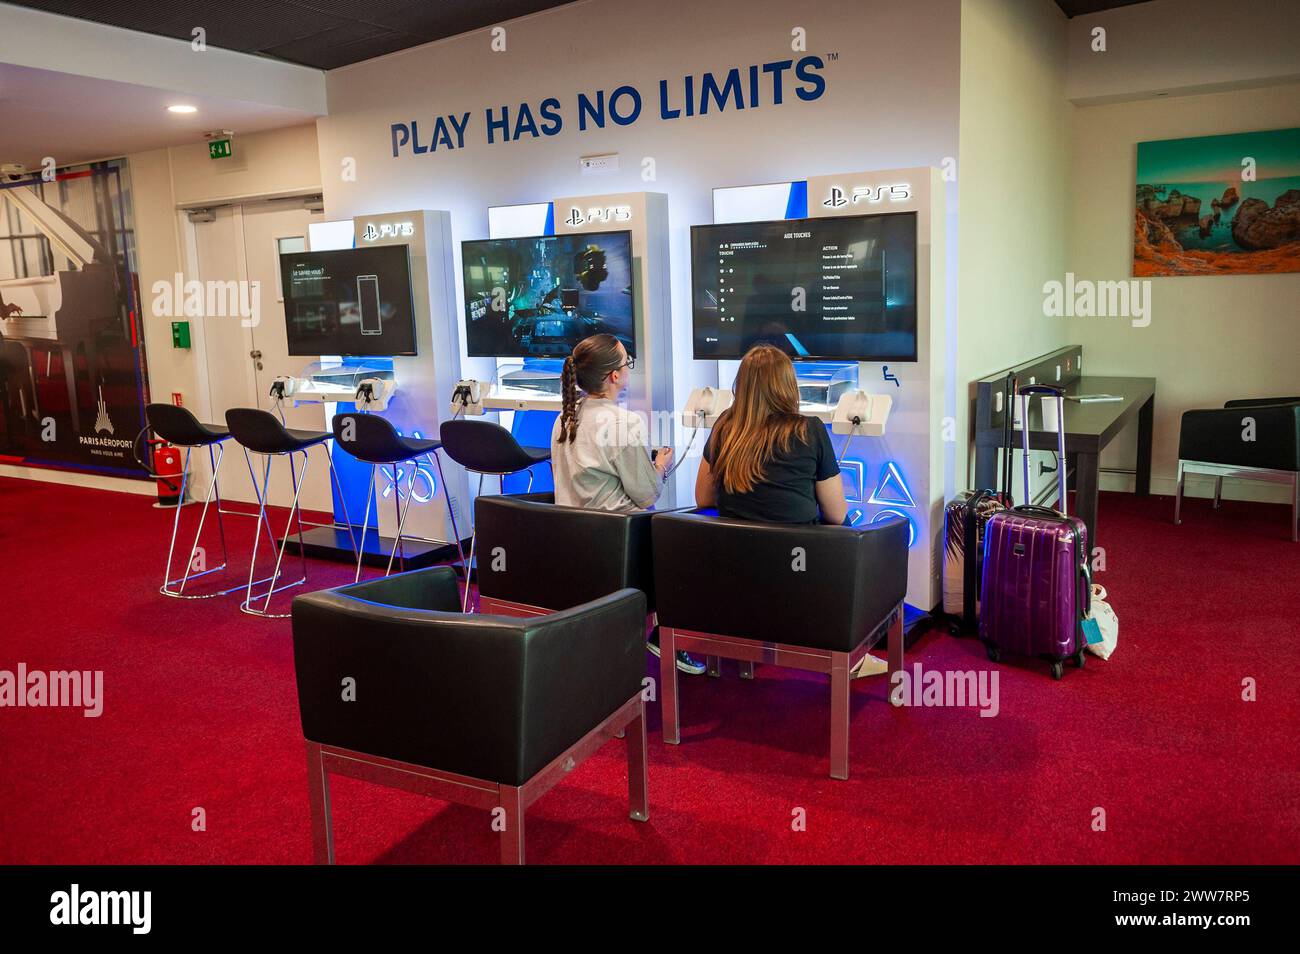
(599, 450)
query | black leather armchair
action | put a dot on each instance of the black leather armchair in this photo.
(397, 686)
(536, 556)
(1256, 439)
(808, 597)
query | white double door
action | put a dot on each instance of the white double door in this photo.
(241, 356)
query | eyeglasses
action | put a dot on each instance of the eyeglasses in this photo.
(630, 364)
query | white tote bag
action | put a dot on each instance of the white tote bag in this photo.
(1107, 622)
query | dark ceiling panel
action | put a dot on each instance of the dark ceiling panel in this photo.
(1076, 8)
(330, 33)
(321, 33)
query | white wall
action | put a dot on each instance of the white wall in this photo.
(1212, 337)
(891, 102)
(1014, 178)
(1181, 47)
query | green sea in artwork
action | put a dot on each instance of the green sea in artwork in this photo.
(1188, 232)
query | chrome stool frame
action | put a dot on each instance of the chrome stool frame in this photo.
(467, 564)
(298, 478)
(179, 428)
(401, 509)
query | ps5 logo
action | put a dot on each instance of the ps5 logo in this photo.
(386, 230)
(898, 192)
(615, 213)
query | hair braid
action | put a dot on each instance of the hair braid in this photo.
(569, 408)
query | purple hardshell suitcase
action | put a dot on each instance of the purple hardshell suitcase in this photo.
(1034, 588)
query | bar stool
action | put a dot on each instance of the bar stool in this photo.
(485, 447)
(373, 440)
(261, 432)
(177, 426)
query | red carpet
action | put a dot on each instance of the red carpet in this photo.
(200, 711)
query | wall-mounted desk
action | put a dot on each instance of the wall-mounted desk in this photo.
(1088, 427)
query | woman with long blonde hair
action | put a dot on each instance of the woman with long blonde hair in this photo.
(764, 460)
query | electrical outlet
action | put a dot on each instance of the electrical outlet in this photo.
(597, 165)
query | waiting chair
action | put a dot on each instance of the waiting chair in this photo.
(1214, 441)
(543, 557)
(373, 440)
(261, 432)
(485, 447)
(490, 711)
(808, 597)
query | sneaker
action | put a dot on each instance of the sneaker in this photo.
(685, 662)
(690, 665)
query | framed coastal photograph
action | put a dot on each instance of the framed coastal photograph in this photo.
(1218, 205)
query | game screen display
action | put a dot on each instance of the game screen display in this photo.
(842, 287)
(354, 301)
(529, 297)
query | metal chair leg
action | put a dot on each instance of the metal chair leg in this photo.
(668, 685)
(512, 839)
(896, 646)
(168, 583)
(1178, 496)
(1295, 509)
(318, 795)
(1218, 492)
(401, 520)
(469, 563)
(436, 459)
(215, 463)
(638, 793)
(297, 480)
(840, 681)
(343, 502)
(176, 524)
(365, 521)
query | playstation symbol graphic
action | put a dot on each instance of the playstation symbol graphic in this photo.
(836, 198)
(575, 216)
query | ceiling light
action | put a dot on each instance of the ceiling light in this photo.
(182, 109)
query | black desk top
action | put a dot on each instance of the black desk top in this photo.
(1088, 427)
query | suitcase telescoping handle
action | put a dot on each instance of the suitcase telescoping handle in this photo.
(1025, 393)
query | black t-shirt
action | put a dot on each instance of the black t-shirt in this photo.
(786, 492)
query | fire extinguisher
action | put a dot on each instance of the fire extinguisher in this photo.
(164, 466)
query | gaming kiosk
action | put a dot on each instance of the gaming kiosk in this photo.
(550, 275)
(384, 308)
(845, 274)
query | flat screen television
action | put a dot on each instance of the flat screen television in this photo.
(838, 288)
(540, 296)
(354, 301)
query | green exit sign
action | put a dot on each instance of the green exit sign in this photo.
(220, 148)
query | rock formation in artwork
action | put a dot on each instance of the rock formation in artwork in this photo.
(1230, 198)
(1257, 227)
(1174, 207)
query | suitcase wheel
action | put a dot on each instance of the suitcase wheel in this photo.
(954, 627)
(1058, 669)
(1078, 659)
(995, 654)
